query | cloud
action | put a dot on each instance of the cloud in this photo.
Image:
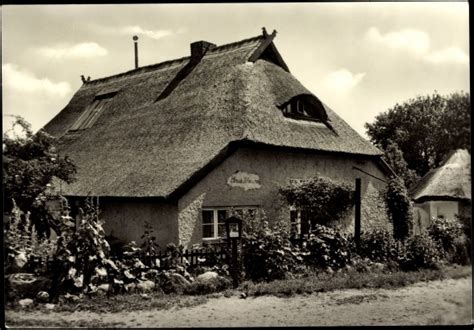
(22, 80)
(343, 80)
(448, 55)
(68, 51)
(409, 39)
(35, 99)
(136, 29)
(417, 42)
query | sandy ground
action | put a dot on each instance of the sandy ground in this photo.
(436, 302)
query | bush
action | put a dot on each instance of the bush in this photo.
(267, 252)
(449, 235)
(326, 247)
(323, 199)
(379, 246)
(420, 252)
(399, 208)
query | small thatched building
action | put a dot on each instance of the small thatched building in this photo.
(444, 191)
(179, 143)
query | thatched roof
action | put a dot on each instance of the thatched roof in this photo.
(142, 146)
(450, 181)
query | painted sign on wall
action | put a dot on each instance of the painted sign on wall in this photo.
(244, 180)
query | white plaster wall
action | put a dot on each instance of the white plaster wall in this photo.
(126, 220)
(266, 172)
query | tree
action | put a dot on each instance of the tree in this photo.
(30, 163)
(425, 129)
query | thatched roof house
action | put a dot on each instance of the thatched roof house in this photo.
(450, 181)
(446, 190)
(154, 133)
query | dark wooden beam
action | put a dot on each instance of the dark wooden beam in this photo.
(357, 198)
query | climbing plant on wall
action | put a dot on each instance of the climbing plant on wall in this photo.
(323, 199)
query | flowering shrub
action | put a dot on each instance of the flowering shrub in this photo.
(326, 247)
(24, 249)
(420, 252)
(82, 252)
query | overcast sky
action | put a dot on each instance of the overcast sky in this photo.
(358, 58)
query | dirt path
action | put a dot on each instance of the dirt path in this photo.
(436, 302)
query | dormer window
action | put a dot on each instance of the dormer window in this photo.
(305, 107)
(93, 111)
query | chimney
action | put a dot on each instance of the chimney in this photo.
(199, 49)
(135, 38)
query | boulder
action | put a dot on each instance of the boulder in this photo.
(71, 297)
(25, 302)
(20, 260)
(42, 296)
(130, 287)
(209, 283)
(145, 286)
(50, 306)
(207, 276)
(173, 283)
(26, 285)
(104, 287)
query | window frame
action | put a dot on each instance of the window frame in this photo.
(215, 219)
(303, 107)
(92, 112)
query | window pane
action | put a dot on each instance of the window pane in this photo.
(208, 231)
(207, 216)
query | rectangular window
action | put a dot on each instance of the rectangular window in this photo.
(92, 112)
(213, 220)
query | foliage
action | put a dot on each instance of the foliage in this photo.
(149, 246)
(82, 253)
(212, 285)
(379, 245)
(394, 157)
(323, 199)
(444, 232)
(23, 242)
(267, 250)
(351, 279)
(420, 252)
(399, 208)
(411, 126)
(30, 163)
(450, 237)
(327, 248)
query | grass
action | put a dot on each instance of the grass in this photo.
(309, 284)
(324, 282)
(131, 302)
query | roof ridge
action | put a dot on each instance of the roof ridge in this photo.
(170, 63)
